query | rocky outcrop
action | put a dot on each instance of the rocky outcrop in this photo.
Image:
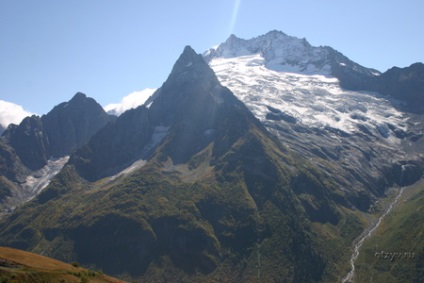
(25, 149)
(115, 146)
(68, 126)
(30, 142)
(71, 124)
(403, 84)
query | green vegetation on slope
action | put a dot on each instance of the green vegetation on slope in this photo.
(240, 219)
(395, 253)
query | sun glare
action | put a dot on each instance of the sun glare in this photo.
(234, 15)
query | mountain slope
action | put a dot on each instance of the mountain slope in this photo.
(215, 198)
(395, 253)
(20, 266)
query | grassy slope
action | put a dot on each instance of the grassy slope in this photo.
(21, 266)
(401, 232)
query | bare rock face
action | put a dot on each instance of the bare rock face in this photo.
(405, 84)
(189, 107)
(70, 124)
(30, 142)
(27, 148)
(113, 147)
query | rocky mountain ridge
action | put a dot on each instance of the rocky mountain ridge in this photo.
(284, 53)
(32, 150)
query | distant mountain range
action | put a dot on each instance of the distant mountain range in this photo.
(259, 160)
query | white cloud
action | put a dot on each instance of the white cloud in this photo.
(11, 113)
(132, 100)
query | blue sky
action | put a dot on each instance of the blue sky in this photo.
(108, 49)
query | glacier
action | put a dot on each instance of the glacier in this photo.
(280, 77)
(313, 100)
(292, 88)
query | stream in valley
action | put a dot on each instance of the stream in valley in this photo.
(366, 234)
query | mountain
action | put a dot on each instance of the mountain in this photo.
(192, 188)
(71, 124)
(311, 98)
(282, 53)
(21, 266)
(35, 150)
(262, 159)
(30, 142)
(405, 84)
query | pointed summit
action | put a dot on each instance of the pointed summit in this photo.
(189, 51)
(188, 58)
(189, 109)
(191, 80)
(276, 33)
(79, 96)
(70, 124)
(190, 66)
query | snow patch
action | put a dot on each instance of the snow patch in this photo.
(133, 167)
(209, 132)
(159, 133)
(40, 179)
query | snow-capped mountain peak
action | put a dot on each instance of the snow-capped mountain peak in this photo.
(279, 51)
(284, 78)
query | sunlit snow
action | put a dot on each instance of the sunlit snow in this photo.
(314, 100)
